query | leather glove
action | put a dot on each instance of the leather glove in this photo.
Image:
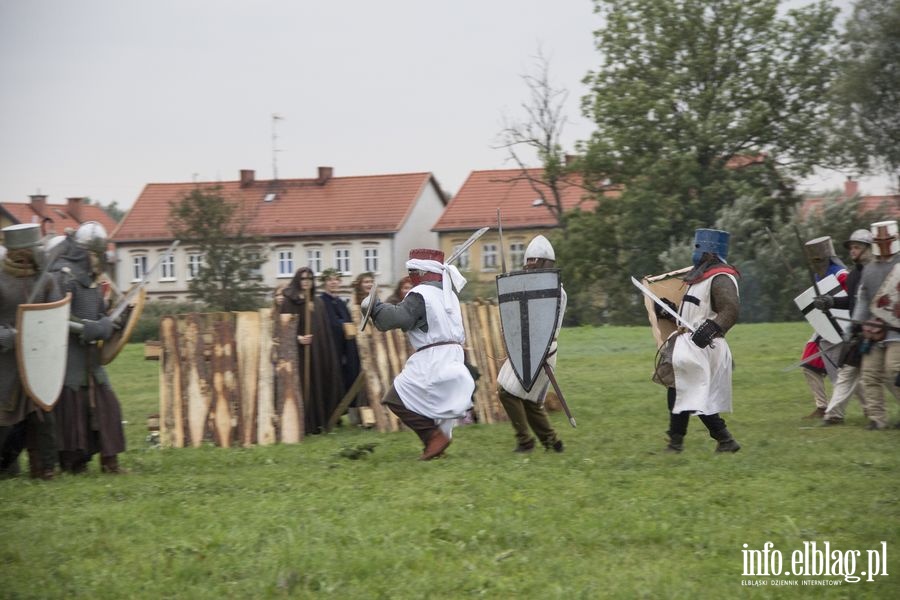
(662, 314)
(100, 329)
(825, 302)
(704, 334)
(7, 338)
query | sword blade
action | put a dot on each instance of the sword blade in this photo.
(502, 248)
(465, 246)
(665, 307)
(559, 394)
(367, 316)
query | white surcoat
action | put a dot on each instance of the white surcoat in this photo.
(435, 381)
(702, 375)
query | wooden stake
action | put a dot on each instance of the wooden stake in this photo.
(265, 412)
(247, 335)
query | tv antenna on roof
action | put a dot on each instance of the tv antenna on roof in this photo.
(275, 150)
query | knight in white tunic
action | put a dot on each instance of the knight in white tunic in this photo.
(702, 361)
(434, 389)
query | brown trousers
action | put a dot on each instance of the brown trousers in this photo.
(424, 427)
(525, 413)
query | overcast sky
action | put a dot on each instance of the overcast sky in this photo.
(101, 97)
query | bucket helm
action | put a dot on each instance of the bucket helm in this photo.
(713, 241)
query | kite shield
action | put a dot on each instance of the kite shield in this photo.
(529, 307)
(826, 327)
(42, 344)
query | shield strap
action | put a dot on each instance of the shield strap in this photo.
(522, 298)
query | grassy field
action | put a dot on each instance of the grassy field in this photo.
(612, 517)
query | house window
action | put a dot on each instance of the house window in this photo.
(370, 260)
(517, 255)
(342, 260)
(314, 260)
(167, 268)
(195, 261)
(138, 267)
(462, 262)
(489, 257)
(257, 270)
(285, 263)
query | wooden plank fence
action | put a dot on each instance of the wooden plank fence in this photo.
(231, 379)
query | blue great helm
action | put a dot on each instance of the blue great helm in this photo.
(714, 241)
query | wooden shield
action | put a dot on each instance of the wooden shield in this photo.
(42, 344)
(886, 303)
(111, 347)
(671, 287)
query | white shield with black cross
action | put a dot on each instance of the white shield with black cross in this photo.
(826, 325)
(529, 308)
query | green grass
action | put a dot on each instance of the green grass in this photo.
(612, 517)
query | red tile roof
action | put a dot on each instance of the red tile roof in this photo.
(340, 205)
(886, 206)
(484, 192)
(24, 212)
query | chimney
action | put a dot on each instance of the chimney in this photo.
(73, 207)
(247, 176)
(851, 188)
(38, 203)
(325, 173)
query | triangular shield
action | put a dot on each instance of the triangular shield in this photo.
(42, 344)
(529, 307)
(830, 329)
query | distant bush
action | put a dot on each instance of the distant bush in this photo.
(148, 325)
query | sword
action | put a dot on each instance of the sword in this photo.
(808, 359)
(665, 307)
(366, 317)
(465, 246)
(559, 394)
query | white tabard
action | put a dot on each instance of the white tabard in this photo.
(507, 379)
(435, 382)
(702, 375)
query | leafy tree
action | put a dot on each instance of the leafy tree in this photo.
(773, 266)
(868, 90)
(216, 225)
(697, 103)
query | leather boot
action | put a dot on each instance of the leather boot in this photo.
(36, 467)
(437, 443)
(110, 464)
(524, 447)
(676, 442)
(725, 442)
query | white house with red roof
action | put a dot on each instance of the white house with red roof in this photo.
(54, 218)
(353, 224)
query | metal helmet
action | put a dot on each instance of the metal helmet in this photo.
(860, 236)
(92, 236)
(884, 238)
(540, 247)
(713, 241)
(819, 252)
(24, 235)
